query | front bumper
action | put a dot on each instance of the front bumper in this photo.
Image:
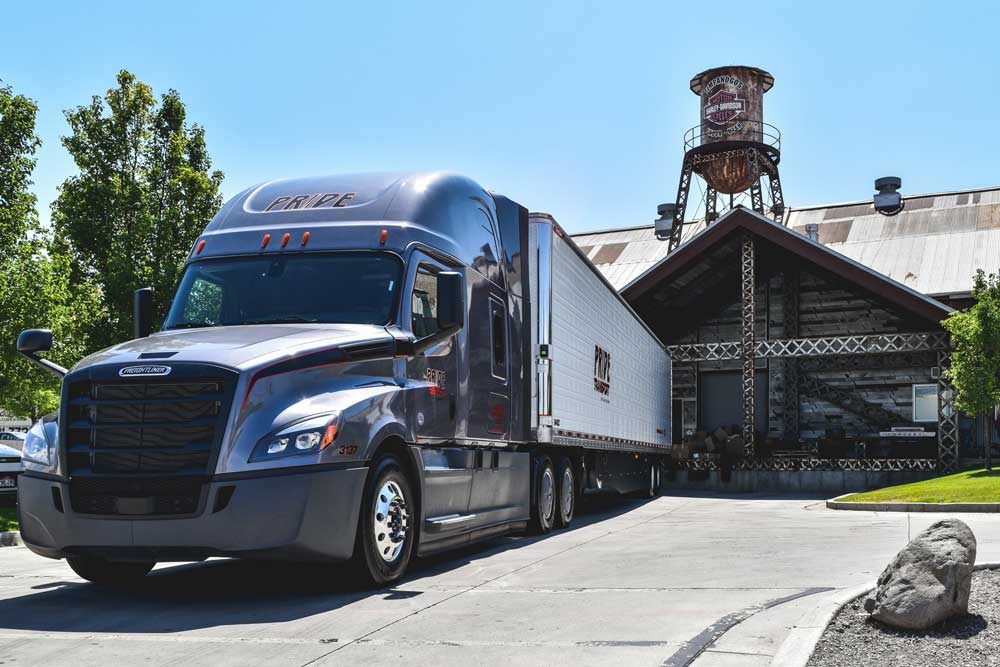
(308, 516)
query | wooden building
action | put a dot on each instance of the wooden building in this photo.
(821, 361)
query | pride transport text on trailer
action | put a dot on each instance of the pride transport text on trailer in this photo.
(359, 367)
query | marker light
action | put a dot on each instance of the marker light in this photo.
(264, 241)
(383, 236)
(284, 239)
(305, 238)
(201, 246)
(329, 435)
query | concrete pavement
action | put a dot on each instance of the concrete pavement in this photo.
(721, 581)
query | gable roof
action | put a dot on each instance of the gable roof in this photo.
(783, 240)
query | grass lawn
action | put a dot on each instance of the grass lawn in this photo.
(8, 519)
(971, 486)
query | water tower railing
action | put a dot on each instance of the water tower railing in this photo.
(752, 130)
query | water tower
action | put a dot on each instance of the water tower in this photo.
(732, 151)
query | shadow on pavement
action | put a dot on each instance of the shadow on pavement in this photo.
(234, 592)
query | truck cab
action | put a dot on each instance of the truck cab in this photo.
(339, 377)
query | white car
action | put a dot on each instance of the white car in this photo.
(12, 439)
(10, 468)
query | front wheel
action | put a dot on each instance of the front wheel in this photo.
(109, 573)
(385, 524)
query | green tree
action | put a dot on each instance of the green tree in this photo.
(37, 290)
(144, 192)
(975, 359)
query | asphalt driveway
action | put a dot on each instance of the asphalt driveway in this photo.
(716, 580)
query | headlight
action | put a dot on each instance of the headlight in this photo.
(37, 449)
(306, 436)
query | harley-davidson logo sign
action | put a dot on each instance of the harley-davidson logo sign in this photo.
(723, 106)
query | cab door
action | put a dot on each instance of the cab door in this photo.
(435, 371)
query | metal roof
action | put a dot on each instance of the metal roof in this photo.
(690, 255)
(934, 246)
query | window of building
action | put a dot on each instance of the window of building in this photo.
(925, 403)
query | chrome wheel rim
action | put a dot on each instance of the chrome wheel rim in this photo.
(546, 499)
(390, 521)
(566, 496)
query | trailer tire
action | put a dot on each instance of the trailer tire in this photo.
(543, 506)
(386, 521)
(109, 573)
(567, 493)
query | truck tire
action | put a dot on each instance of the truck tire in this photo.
(543, 507)
(567, 493)
(385, 536)
(109, 573)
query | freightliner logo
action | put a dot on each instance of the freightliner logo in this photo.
(144, 371)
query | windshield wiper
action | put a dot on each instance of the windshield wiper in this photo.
(283, 320)
(191, 325)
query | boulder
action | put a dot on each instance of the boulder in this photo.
(929, 580)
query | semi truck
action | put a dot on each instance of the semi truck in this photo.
(355, 368)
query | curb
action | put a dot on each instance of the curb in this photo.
(835, 504)
(800, 643)
(11, 538)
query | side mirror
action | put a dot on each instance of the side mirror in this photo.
(142, 312)
(33, 341)
(451, 302)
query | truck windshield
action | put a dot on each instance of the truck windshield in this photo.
(344, 287)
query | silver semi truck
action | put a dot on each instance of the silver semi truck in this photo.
(358, 367)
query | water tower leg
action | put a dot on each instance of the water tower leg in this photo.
(757, 197)
(777, 199)
(747, 340)
(711, 205)
(683, 188)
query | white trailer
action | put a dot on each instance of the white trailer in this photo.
(602, 378)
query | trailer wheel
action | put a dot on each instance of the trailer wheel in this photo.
(108, 573)
(567, 493)
(384, 542)
(543, 508)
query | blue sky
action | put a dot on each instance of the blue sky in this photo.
(574, 108)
